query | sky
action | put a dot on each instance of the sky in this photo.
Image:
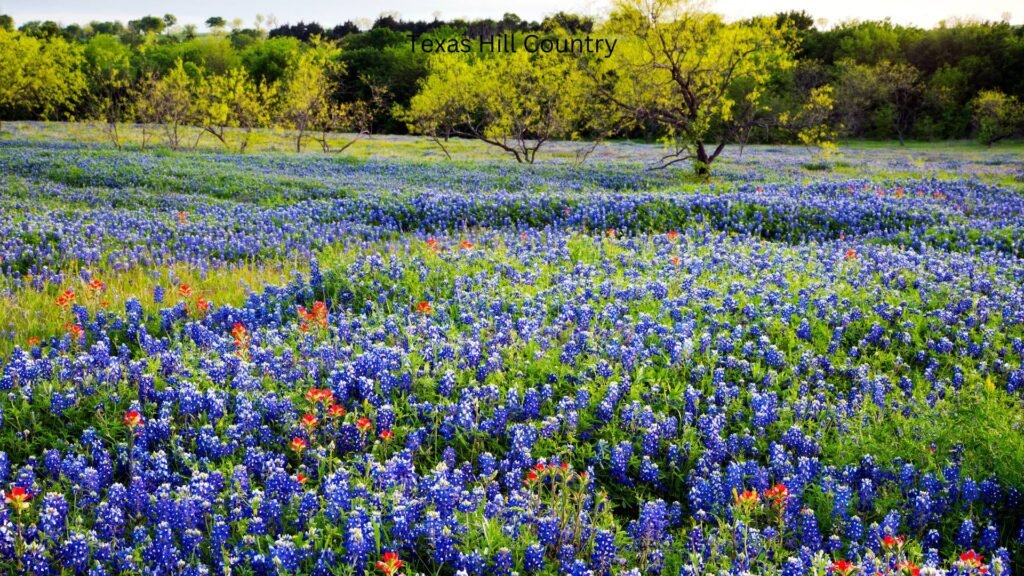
(330, 12)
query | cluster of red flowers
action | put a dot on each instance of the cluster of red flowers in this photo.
(424, 307)
(242, 338)
(182, 218)
(317, 316)
(672, 235)
(316, 397)
(466, 245)
(390, 564)
(433, 245)
(776, 496)
(97, 286)
(18, 498)
(541, 469)
(201, 306)
(76, 332)
(851, 254)
(66, 299)
(132, 419)
(972, 559)
(843, 567)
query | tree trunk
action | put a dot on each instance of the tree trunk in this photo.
(703, 165)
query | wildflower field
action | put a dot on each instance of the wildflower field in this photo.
(279, 364)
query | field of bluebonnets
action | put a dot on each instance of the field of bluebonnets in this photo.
(276, 364)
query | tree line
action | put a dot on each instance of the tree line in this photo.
(681, 74)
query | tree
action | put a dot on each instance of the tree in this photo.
(169, 101)
(108, 67)
(268, 61)
(686, 71)
(6, 23)
(216, 23)
(515, 102)
(38, 78)
(813, 121)
(996, 116)
(903, 89)
(305, 101)
(147, 25)
(234, 100)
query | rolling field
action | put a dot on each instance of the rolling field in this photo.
(302, 364)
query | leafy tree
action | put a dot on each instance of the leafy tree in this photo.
(147, 25)
(903, 89)
(268, 61)
(109, 73)
(43, 30)
(515, 102)
(38, 78)
(813, 123)
(996, 116)
(302, 31)
(305, 102)
(379, 64)
(170, 102)
(676, 66)
(234, 100)
(216, 23)
(6, 23)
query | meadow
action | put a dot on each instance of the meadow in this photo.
(388, 363)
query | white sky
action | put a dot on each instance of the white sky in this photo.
(330, 12)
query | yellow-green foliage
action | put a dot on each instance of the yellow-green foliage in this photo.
(39, 76)
(235, 100)
(996, 115)
(515, 101)
(305, 98)
(814, 127)
(689, 72)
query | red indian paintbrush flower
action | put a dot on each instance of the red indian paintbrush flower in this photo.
(184, 290)
(972, 559)
(386, 435)
(364, 424)
(309, 421)
(843, 567)
(317, 395)
(466, 245)
(908, 568)
(747, 498)
(890, 541)
(778, 494)
(67, 298)
(76, 332)
(390, 564)
(317, 316)
(132, 419)
(18, 498)
(424, 307)
(336, 411)
(241, 336)
(297, 444)
(97, 286)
